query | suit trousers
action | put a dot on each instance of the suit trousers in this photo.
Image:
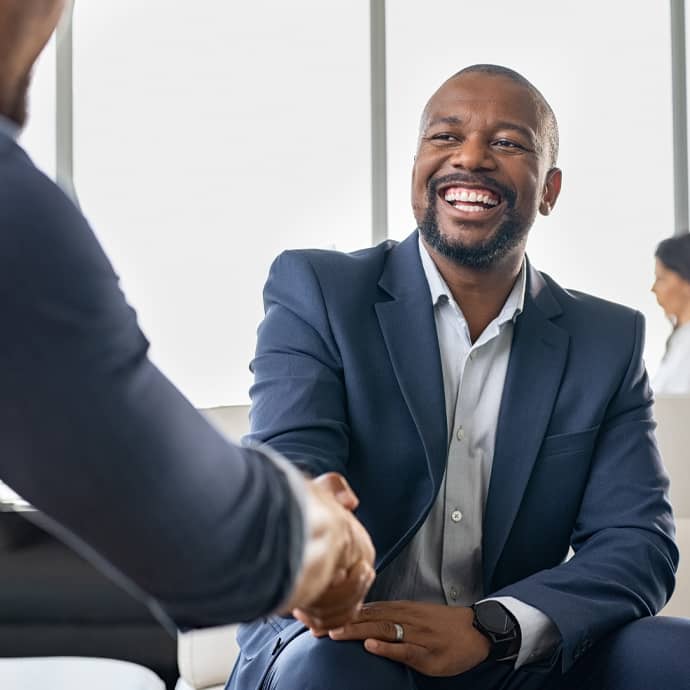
(647, 654)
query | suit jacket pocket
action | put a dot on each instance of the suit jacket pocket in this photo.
(569, 444)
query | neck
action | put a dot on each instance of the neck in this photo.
(480, 294)
(683, 317)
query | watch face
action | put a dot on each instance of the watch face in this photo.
(493, 617)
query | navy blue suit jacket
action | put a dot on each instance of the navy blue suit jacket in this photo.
(348, 379)
(96, 437)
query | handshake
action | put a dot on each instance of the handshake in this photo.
(338, 565)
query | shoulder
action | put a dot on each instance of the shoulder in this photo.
(333, 265)
(26, 192)
(48, 253)
(330, 274)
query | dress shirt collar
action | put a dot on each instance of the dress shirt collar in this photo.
(440, 292)
(9, 128)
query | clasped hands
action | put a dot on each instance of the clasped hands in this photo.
(438, 640)
(338, 564)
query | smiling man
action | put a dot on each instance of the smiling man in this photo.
(488, 419)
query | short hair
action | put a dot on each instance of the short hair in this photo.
(548, 117)
(674, 253)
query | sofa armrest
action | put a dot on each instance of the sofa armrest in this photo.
(206, 657)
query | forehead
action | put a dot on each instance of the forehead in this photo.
(486, 99)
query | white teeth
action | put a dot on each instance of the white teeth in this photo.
(453, 194)
(468, 209)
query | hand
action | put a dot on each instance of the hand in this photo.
(438, 640)
(339, 556)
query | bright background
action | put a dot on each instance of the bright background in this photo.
(209, 137)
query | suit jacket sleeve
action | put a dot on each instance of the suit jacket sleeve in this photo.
(625, 557)
(96, 437)
(297, 369)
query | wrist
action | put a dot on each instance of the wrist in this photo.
(499, 627)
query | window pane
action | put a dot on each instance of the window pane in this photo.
(609, 83)
(207, 140)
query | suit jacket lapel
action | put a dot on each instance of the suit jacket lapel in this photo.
(537, 360)
(409, 331)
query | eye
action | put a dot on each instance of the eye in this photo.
(444, 136)
(508, 144)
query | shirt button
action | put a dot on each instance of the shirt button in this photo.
(456, 516)
(473, 354)
(453, 593)
(460, 434)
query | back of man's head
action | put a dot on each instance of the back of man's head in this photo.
(25, 27)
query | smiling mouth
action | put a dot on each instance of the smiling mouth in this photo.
(470, 199)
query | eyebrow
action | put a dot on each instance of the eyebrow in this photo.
(503, 124)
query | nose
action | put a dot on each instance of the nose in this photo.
(473, 153)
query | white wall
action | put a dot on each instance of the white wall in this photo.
(605, 68)
(208, 138)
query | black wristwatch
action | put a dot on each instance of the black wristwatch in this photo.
(494, 621)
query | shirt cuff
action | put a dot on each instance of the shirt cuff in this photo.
(539, 634)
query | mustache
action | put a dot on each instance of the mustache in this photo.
(460, 179)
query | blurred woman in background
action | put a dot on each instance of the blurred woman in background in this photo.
(672, 290)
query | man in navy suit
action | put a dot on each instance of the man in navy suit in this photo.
(488, 420)
(96, 437)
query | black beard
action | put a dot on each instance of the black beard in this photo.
(509, 235)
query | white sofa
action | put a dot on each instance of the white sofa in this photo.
(206, 657)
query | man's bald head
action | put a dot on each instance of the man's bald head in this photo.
(25, 27)
(549, 129)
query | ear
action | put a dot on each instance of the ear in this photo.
(552, 188)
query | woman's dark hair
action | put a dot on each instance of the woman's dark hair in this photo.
(674, 253)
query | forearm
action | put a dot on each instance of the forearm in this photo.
(211, 532)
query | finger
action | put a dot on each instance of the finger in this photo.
(380, 630)
(345, 596)
(362, 541)
(336, 484)
(339, 577)
(316, 631)
(409, 654)
(399, 611)
(339, 605)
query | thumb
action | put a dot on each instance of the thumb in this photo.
(337, 486)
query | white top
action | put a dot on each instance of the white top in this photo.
(673, 375)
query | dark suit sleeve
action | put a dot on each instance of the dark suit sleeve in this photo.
(95, 436)
(625, 557)
(298, 395)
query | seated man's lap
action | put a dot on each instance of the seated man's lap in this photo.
(647, 654)
(310, 663)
